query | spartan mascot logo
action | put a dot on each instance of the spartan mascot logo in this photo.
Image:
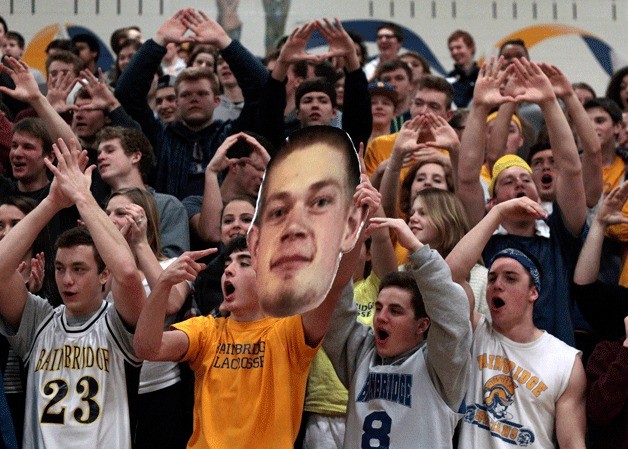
(498, 395)
(493, 416)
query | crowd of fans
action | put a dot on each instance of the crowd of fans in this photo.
(482, 304)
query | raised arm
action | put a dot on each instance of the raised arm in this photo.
(26, 90)
(150, 341)
(570, 195)
(496, 141)
(591, 147)
(128, 293)
(588, 266)
(486, 96)
(469, 249)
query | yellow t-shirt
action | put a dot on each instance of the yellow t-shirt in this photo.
(613, 175)
(365, 295)
(249, 382)
(326, 395)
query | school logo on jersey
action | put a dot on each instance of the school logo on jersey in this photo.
(389, 387)
(493, 414)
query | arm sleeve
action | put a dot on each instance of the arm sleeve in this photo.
(269, 119)
(174, 229)
(36, 310)
(347, 341)
(607, 371)
(119, 117)
(134, 84)
(198, 331)
(357, 119)
(449, 338)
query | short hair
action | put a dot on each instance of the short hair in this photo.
(198, 49)
(132, 141)
(614, 86)
(405, 191)
(14, 35)
(418, 57)
(541, 145)
(325, 69)
(584, 86)
(91, 42)
(315, 85)
(447, 214)
(439, 84)
(358, 39)
(4, 24)
(304, 137)
(405, 281)
(35, 127)
(396, 29)
(77, 236)
(61, 44)
(195, 74)
(459, 117)
(300, 69)
(146, 201)
(235, 245)
(608, 105)
(517, 42)
(464, 35)
(66, 57)
(390, 66)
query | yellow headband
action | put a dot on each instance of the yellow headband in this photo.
(514, 118)
(504, 162)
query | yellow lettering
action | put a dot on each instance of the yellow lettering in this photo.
(482, 362)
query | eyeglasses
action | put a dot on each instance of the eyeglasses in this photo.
(386, 36)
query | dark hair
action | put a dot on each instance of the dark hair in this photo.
(127, 43)
(300, 69)
(14, 35)
(358, 39)
(66, 57)
(396, 29)
(315, 85)
(613, 89)
(457, 119)
(235, 245)
(390, 66)
(517, 42)
(611, 107)
(464, 35)
(77, 236)
(325, 69)
(132, 141)
(62, 45)
(418, 57)
(198, 49)
(316, 134)
(405, 191)
(541, 145)
(405, 281)
(24, 203)
(4, 24)
(584, 86)
(439, 84)
(119, 36)
(35, 127)
(91, 42)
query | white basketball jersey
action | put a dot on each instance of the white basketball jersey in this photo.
(77, 395)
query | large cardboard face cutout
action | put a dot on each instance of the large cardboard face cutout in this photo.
(305, 219)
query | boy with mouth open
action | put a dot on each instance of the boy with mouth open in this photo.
(406, 387)
(526, 387)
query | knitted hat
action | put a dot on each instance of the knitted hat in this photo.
(504, 162)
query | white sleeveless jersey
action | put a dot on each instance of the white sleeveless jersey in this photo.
(513, 390)
(397, 407)
(76, 395)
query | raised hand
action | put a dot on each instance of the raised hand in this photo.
(407, 141)
(532, 84)
(185, 268)
(33, 272)
(70, 182)
(206, 30)
(263, 158)
(520, 209)
(445, 136)
(340, 43)
(26, 88)
(102, 96)
(294, 48)
(134, 228)
(405, 236)
(173, 29)
(220, 161)
(488, 89)
(610, 212)
(560, 82)
(58, 90)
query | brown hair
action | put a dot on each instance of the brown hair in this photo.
(405, 200)
(195, 74)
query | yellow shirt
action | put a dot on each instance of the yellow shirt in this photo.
(249, 382)
(613, 175)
